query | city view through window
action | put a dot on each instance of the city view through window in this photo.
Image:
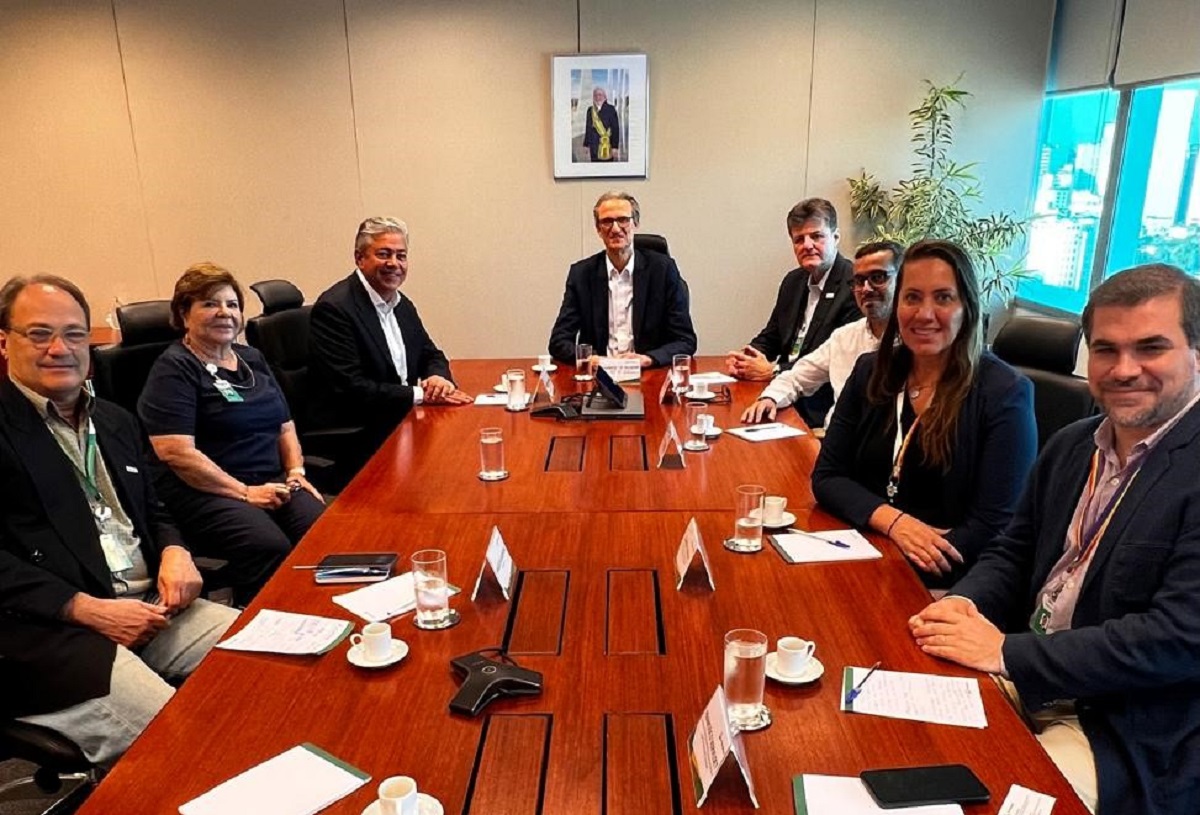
(1151, 212)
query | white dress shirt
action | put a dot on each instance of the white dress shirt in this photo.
(832, 362)
(810, 308)
(620, 307)
(391, 333)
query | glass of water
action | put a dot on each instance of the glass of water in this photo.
(745, 676)
(681, 372)
(699, 423)
(583, 362)
(491, 455)
(516, 390)
(747, 528)
(433, 592)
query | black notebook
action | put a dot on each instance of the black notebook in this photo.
(359, 567)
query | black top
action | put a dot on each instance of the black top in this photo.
(242, 438)
(921, 485)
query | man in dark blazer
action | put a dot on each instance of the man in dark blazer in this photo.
(1089, 602)
(623, 302)
(98, 595)
(606, 145)
(370, 358)
(813, 300)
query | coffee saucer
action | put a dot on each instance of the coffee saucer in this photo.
(500, 388)
(703, 397)
(426, 805)
(712, 432)
(785, 519)
(359, 658)
(813, 671)
(547, 368)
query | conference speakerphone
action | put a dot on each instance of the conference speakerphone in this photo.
(487, 679)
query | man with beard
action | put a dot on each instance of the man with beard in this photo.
(873, 284)
(1088, 605)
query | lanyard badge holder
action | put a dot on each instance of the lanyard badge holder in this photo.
(115, 555)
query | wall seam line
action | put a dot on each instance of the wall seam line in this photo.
(362, 204)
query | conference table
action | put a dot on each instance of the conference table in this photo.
(629, 660)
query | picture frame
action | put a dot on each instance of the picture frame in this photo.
(600, 111)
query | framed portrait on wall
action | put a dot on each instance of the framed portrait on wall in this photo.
(600, 105)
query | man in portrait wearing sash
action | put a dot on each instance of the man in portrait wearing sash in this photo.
(98, 594)
(1088, 605)
(602, 129)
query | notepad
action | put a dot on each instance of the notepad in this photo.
(917, 697)
(843, 795)
(282, 632)
(382, 601)
(765, 432)
(301, 781)
(823, 546)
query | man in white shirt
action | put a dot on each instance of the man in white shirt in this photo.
(873, 284)
(623, 302)
(370, 358)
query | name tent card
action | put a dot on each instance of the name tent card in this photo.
(548, 384)
(685, 555)
(621, 369)
(497, 570)
(670, 450)
(709, 746)
(666, 394)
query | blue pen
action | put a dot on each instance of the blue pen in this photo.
(857, 689)
(837, 543)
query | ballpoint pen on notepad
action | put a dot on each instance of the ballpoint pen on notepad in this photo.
(857, 689)
(760, 428)
(837, 543)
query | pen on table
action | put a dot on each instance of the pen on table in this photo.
(857, 689)
(837, 543)
(762, 427)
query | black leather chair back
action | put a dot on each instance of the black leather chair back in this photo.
(649, 242)
(282, 336)
(277, 295)
(119, 371)
(1046, 349)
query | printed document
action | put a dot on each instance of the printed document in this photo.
(282, 632)
(917, 697)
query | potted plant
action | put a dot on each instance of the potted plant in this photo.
(936, 201)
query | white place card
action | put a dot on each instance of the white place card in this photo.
(1022, 801)
(497, 569)
(710, 745)
(622, 369)
(691, 544)
(670, 450)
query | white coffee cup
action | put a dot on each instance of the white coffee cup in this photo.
(398, 796)
(707, 422)
(504, 382)
(375, 641)
(773, 507)
(792, 655)
(544, 361)
(699, 387)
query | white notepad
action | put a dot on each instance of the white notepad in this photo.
(381, 601)
(302, 781)
(766, 432)
(284, 632)
(826, 546)
(842, 795)
(918, 697)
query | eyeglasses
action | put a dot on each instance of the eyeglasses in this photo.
(608, 223)
(41, 337)
(877, 279)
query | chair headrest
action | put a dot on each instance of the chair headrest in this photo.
(277, 295)
(1045, 343)
(145, 322)
(649, 242)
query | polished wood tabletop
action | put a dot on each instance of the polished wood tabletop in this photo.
(629, 661)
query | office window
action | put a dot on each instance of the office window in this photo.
(1156, 217)
(1071, 180)
(1151, 213)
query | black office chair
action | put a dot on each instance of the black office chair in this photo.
(649, 242)
(119, 371)
(1045, 349)
(62, 770)
(281, 334)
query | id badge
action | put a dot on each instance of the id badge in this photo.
(1039, 620)
(795, 349)
(227, 391)
(115, 556)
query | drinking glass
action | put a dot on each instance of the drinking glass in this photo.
(433, 594)
(583, 362)
(491, 455)
(745, 676)
(681, 372)
(698, 423)
(747, 529)
(516, 390)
